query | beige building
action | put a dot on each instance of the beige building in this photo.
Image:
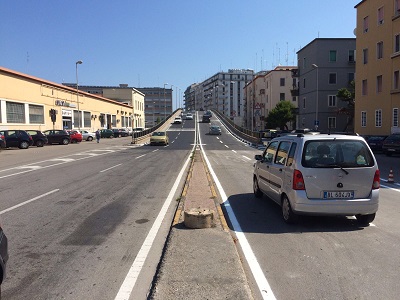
(378, 67)
(265, 91)
(26, 102)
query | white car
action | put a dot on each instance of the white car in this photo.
(178, 120)
(88, 136)
(319, 174)
(189, 116)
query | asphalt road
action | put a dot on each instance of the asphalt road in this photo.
(77, 216)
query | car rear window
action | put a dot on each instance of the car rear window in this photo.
(336, 153)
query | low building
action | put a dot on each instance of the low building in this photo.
(28, 102)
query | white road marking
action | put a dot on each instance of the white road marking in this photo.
(140, 156)
(226, 146)
(28, 201)
(110, 168)
(388, 187)
(246, 157)
(234, 151)
(258, 274)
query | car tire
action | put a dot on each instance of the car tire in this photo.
(364, 220)
(89, 139)
(65, 142)
(39, 143)
(24, 145)
(287, 213)
(256, 189)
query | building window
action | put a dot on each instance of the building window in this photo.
(379, 83)
(378, 118)
(87, 122)
(331, 100)
(380, 15)
(113, 120)
(304, 83)
(15, 112)
(365, 24)
(379, 50)
(396, 80)
(282, 96)
(332, 78)
(364, 88)
(294, 99)
(397, 43)
(304, 62)
(395, 117)
(332, 55)
(36, 114)
(304, 102)
(352, 56)
(365, 56)
(282, 82)
(363, 119)
(396, 7)
(350, 77)
(331, 122)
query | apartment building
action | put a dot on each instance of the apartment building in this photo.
(265, 91)
(325, 65)
(26, 102)
(378, 67)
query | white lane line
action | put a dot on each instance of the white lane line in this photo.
(234, 151)
(388, 187)
(221, 142)
(258, 274)
(28, 201)
(226, 146)
(140, 156)
(155, 150)
(246, 157)
(127, 286)
(105, 170)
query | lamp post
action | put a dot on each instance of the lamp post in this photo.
(172, 95)
(316, 101)
(79, 62)
(154, 107)
(165, 104)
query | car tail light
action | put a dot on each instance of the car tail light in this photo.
(298, 181)
(377, 180)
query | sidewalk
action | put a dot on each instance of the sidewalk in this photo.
(200, 263)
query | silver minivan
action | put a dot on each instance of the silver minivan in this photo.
(322, 174)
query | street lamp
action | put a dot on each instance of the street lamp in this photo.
(316, 102)
(154, 107)
(79, 62)
(165, 104)
(172, 95)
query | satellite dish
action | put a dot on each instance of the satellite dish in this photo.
(355, 31)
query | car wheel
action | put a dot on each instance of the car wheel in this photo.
(364, 220)
(288, 215)
(65, 142)
(89, 139)
(256, 189)
(24, 145)
(39, 143)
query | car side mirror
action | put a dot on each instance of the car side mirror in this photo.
(258, 157)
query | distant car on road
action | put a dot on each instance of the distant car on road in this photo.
(39, 138)
(178, 120)
(375, 142)
(391, 144)
(124, 132)
(88, 136)
(159, 137)
(17, 138)
(189, 116)
(61, 137)
(206, 119)
(214, 129)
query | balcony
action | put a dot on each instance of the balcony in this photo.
(294, 91)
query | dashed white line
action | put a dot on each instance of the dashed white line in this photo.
(105, 170)
(246, 157)
(226, 146)
(140, 156)
(234, 151)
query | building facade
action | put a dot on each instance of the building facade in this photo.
(325, 65)
(378, 67)
(26, 102)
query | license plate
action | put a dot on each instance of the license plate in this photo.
(339, 195)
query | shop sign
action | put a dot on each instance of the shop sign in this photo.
(64, 103)
(66, 113)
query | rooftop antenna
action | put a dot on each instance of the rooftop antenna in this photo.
(27, 61)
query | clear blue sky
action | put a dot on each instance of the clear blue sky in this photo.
(151, 42)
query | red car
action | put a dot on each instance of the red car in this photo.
(76, 136)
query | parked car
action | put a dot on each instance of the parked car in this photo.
(88, 136)
(39, 138)
(321, 174)
(106, 133)
(214, 129)
(375, 142)
(391, 144)
(159, 137)
(3, 255)
(17, 138)
(76, 136)
(2, 141)
(116, 132)
(56, 136)
(178, 120)
(138, 129)
(123, 132)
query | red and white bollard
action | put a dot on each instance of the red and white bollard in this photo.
(391, 177)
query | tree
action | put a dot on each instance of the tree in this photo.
(347, 95)
(281, 115)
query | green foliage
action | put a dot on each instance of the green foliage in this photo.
(347, 95)
(281, 115)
